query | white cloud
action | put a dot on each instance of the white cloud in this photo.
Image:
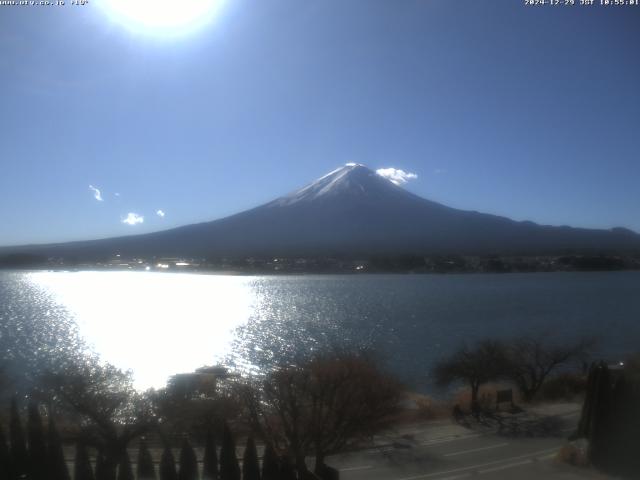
(160, 213)
(395, 175)
(133, 219)
(96, 193)
(116, 194)
(439, 171)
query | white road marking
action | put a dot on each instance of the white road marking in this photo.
(379, 450)
(456, 477)
(376, 450)
(505, 467)
(353, 469)
(448, 440)
(475, 467)
(516, 464)
(462, 452)
(497, 469)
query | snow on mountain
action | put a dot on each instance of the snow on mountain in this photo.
(351, 211)
(353, 179)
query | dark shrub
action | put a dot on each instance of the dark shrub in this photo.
(100, 472)
(325, 472)
(210, 467)
(168, 465)
(125, 471)
(18, 446)
(565, 386)
(5, 471)
(37, 444)
(270, 464)
(250, 465)
(188, 462)
(229, 467)
(82, 467)
(287, 471)
(146, 471)
(55, 455)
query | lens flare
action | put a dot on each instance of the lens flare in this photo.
(162, 16)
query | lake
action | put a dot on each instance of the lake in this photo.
(157, 324)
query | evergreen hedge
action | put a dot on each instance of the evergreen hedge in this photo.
(82, 467)
(168, 465)
(250, 465)
(210, 467)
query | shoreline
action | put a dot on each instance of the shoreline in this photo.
(295, 273)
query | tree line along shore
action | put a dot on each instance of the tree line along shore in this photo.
(568, 262)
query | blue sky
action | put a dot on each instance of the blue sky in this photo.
(527, 112)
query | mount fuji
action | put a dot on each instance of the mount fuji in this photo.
(352, 211)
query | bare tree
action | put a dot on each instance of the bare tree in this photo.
(533, 358)
(196, 413)
(101, 398)
(323, 405)
(46, 359)
(475, 366)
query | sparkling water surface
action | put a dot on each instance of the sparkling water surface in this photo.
(157, 324)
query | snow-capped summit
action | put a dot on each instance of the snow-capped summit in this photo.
(351, 211)
(353, 179)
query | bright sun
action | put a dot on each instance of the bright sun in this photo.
(162, 16)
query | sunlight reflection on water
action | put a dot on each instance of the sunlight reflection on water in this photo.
(155, 325)
(159, 324)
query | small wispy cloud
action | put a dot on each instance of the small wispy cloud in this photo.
(96, 193)
(440, 171)
(396, 175)
(116, 194)
(160, 213)
(133, 219)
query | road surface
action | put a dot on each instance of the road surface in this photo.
(445, 450)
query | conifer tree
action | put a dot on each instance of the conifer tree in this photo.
(100, 467)
(600, 413)
(82, 466)
(108, 469)
(586, 417)
(610, 419)
(210, 468)
(125, 471)
(146, 471)
(168, 465)
(250, 465)
(287, 471)
(18, 447)
(229, 467)
(57, 467)
(5, 467)
(270, 464)
(188, 462)
(627, 418)
(105, 470)
(37, 444)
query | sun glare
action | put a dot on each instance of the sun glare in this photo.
(162, 16)
(154, 324)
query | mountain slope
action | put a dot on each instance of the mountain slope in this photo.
(353, 211)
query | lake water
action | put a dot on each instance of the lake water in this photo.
(157, 324)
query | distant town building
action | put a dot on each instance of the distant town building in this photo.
(202, 383)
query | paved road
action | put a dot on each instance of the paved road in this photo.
(444, 450)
